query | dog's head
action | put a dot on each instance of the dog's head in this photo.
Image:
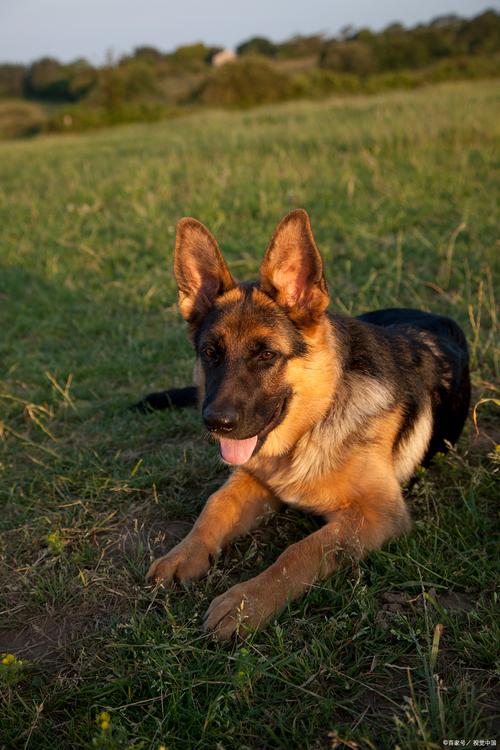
(252, 340)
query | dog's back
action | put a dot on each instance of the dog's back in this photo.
(450, 393)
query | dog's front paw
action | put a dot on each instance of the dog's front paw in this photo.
(186, 562)
(243, 607)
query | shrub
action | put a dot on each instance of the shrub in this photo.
(398, 79)
(125, 83)
(45, 79)
(300, 46)
(79, 117)
(257, 45)
(318, 83)
(19, 118)
(49, 79)
(348, 57)
(148, 54)
(480, 35)
(244, 83)
(192, 57)
(465, 67)
(12, 80)
(82, 77)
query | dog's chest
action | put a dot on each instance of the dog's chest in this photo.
(303, 478)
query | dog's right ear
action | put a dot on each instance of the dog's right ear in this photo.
(200, 270)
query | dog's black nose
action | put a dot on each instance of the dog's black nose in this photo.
(220, 419)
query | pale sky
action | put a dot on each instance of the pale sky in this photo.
(68, 29)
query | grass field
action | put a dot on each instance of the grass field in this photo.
(403, 194)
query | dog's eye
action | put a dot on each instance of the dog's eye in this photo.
(209, 352)
(267, 355)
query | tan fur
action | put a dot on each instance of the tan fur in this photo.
(322, 448)
(351, 472)
(238, 327)
(413, 448)
(318, 370)
(233, 295)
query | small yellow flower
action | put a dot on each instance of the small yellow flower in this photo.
(104, 725)
(8, 659)
(104, 716)
(162, 747)
(55, 542)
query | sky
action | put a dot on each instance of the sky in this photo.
(67, 29)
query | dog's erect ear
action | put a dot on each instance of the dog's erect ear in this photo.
(200, 269)
(292, 270)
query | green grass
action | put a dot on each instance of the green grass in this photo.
(403, 194)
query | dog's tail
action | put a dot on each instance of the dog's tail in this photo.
(171, 399)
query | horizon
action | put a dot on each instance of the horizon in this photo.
(123, 37)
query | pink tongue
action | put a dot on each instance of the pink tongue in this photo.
(237, 451)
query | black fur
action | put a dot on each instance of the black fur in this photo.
(173, 398)
(441, 369)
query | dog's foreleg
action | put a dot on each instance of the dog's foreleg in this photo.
(230, 512)
(349, 533)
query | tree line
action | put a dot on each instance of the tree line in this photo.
(149, 83)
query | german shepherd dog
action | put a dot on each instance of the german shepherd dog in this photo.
(325, 413)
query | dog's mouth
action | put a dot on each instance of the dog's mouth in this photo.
(237, 452)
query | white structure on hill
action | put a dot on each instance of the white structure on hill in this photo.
(223, 57)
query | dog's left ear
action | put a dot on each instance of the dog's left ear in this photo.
(292, 270)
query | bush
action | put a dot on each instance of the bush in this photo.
(348, 57)
(257, 45)
(480, 35)
(12, 80)
(82, 77)
(398, 79)
(148, 54)
(50, 80)
(19, 118)
(45, 79)
(192, 57)
(244, 83)
(80, 118)
(462, 68)
(128, 82)
(300, 46)
(318, 83)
